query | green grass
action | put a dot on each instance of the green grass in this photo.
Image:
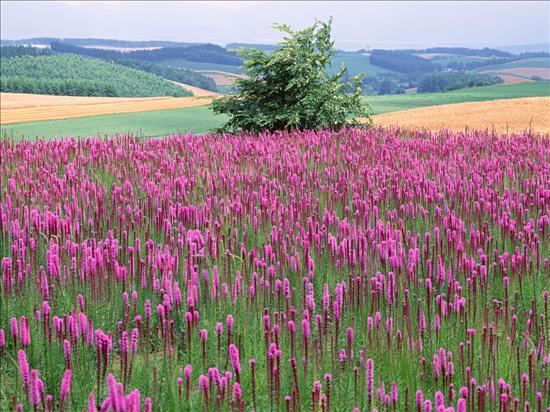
(202, 120)
(542, 62)
(186, 64)
(357, 63)
(147, 124)
(396, 102)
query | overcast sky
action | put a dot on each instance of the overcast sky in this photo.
(356, 24)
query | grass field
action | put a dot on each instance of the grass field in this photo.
(152, 123)
(396, 102)
(543, 62)
(186, 64)
(201, 119)
(444, 59)
(357, 63)
(522, 72)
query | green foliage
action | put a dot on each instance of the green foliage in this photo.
(290, 88)
(389, 86)
(79, 76)
(446, 81)
(15, 51)
(57, 87)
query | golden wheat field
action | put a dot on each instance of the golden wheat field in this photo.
(26, 100)
(17, 108)
(506, 115)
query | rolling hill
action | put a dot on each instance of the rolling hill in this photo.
(80, 76)
(536, 62)
(357, 63)
(520, 70)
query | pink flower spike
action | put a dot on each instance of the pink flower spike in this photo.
(91, 403)
(65, 385)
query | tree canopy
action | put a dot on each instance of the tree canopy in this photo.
(290, 88)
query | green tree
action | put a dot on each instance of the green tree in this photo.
(289, 88)
(386, 87)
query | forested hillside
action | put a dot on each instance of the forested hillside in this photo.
(15, 51)
(209, 53)
(80, 76)
(463, 51)
(402, 62)
(448, 81)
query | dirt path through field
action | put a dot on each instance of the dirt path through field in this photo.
(222, 78)
(197, 91)
(17, 108)
(504, 115)
(510, 79)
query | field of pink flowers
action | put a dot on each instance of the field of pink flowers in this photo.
(307, 271)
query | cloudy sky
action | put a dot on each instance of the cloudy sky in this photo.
(356, 24)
